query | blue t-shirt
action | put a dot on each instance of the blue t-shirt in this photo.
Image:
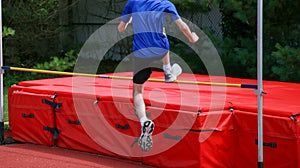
(148, 18)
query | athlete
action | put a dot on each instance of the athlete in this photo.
(150, 44)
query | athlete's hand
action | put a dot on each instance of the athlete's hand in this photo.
(194, 38)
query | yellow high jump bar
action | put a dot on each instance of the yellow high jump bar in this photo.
(251, 86)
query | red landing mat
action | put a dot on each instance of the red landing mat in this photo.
(208, 126)
(281, 141)
(281, 98)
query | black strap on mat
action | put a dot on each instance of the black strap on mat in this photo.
(54, 131)
(77, 122)
(125, 127)
(268, 144)
(52, 104)
(27, 115)
(176, 137)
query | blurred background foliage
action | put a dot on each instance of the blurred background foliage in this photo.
(31, 38)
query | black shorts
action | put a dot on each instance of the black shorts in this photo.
(142, 69)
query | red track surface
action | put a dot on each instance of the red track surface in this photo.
(31, 156)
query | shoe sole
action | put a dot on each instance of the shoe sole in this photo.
(176, 71)
(145, 140)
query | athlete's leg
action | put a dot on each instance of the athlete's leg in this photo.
(171, 72)
(141, 74)
(138, 100)
(166, 63)
(147, 126)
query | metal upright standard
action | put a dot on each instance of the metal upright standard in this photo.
(1, 82)
(259, 81)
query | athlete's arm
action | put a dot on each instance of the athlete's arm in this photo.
(192, 36)
(123, 25)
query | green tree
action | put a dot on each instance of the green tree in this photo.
(36, 31)
(281, 25)
(287, 65)
(195, 5)
(238, 46)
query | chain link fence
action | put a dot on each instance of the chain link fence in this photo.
(86, 16)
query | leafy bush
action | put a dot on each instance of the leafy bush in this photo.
(14, 77)
(7, 31)
(65, 63)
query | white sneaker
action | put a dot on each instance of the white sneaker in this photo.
(176, 71)
(145, 140)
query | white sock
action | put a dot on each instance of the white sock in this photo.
(167, 68)
(143, 119)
